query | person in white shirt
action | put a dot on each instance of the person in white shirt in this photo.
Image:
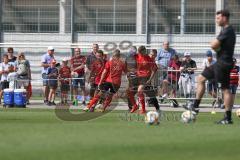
(5, 68)
(211, 84)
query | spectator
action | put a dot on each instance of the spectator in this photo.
(4, 71)
(90, 58)
(64, 75)
(45, 63)
(52, 75)
(23, 72)
(187, 78)
(173, 77)
(163, 58)
(11, 57)
(211, 84)
(77, 71)
(234, 78)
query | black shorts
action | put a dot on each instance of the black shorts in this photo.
(211, 86)
(133, 83)
(107, 86)
(149, 90)
(53, 83)
(4, 85)
(220, 73)
(233, 88)
(65, 87)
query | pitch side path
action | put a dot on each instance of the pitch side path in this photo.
(123, 106)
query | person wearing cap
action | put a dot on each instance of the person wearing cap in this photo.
(211, 84)
(65, 79)
(187, 77)
(45, 63)
(52, 75)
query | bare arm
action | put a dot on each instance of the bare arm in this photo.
(45, 65)
(215, 44)
(103, 76)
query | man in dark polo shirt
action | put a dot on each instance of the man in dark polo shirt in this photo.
(220, 71)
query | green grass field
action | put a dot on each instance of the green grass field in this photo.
(39, 134)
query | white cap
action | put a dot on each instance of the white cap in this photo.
(187, 54)
(50, 48)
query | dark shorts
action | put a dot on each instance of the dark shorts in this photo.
(233, 88)
(4, 85)
(211, 86)
(53, 83)
(220, 73)
(107, 86)
(149, 90)
(80, 81)
(44, 78)
(133, 83)
(65, 87)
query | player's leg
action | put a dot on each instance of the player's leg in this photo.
(103, 88)
(53, 95)
(82, 86)
(45, 88)
(113, 90)
(223, 77)
(208, 73)
(75, 89)
(50, 96)
(141, 98)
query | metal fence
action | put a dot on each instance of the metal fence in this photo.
(113, 16)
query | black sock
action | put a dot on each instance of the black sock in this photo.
(196, 103)
(229, 115)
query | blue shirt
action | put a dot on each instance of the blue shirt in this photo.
(46, 59)
(164, 56)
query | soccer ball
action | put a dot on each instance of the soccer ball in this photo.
(188, 116)
(152, 117)
(238, 112)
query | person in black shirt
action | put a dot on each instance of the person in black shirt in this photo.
(220, 71)
(11, 57)
(187, 77)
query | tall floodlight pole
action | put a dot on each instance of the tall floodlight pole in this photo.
(1, 26)
(182, 17)
(147, 23)
(72, 24)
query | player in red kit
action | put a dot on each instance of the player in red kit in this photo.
(146, 69)
(110, 81)
(77, 67)
(65, 78)
(97, 68)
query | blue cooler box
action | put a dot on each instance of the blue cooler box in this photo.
(20, 98)
(8, 97)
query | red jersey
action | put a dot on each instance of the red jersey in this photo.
(65, 72)
(145, 65)
(114, 71)
(174, 75)
(234, 76)
(97, 69)
(76, 62)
